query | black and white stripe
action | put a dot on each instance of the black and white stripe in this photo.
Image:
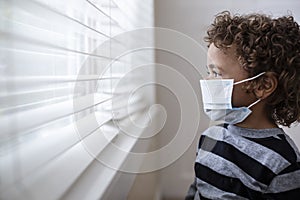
(238, 163)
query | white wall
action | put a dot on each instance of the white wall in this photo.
(192, 17)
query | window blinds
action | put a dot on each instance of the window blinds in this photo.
(55, 81)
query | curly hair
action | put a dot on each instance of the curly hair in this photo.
(265, 44)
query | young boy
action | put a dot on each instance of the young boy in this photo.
(254, 87)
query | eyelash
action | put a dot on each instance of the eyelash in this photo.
(214, 73)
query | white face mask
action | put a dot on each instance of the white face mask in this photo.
(217, 97)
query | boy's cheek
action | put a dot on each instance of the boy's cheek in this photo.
(241, 98)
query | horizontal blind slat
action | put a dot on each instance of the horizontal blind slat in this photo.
(15, 95)
(56, 79)
(57, 11)
(23, 63)
(58, 140)
(87, 185)
(11, 39)
(106, 13)
(59, 179)
(47, 43)
(23, 121)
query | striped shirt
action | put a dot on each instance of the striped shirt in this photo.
(240, 163)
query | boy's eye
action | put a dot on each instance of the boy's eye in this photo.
(214, 74)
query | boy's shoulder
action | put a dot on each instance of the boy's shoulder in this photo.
(274, 140)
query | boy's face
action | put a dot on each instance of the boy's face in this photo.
(223, 64)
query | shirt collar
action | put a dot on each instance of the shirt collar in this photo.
(255, 133)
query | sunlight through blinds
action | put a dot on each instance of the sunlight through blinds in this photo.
(58, 96)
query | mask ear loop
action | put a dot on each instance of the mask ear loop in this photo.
(249, 79)
(257, 101)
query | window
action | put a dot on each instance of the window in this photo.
(58, 76)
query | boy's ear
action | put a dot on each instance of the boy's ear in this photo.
(266, 85)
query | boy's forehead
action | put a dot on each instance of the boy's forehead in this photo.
(229, 52)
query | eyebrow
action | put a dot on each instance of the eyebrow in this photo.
(213, 66)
